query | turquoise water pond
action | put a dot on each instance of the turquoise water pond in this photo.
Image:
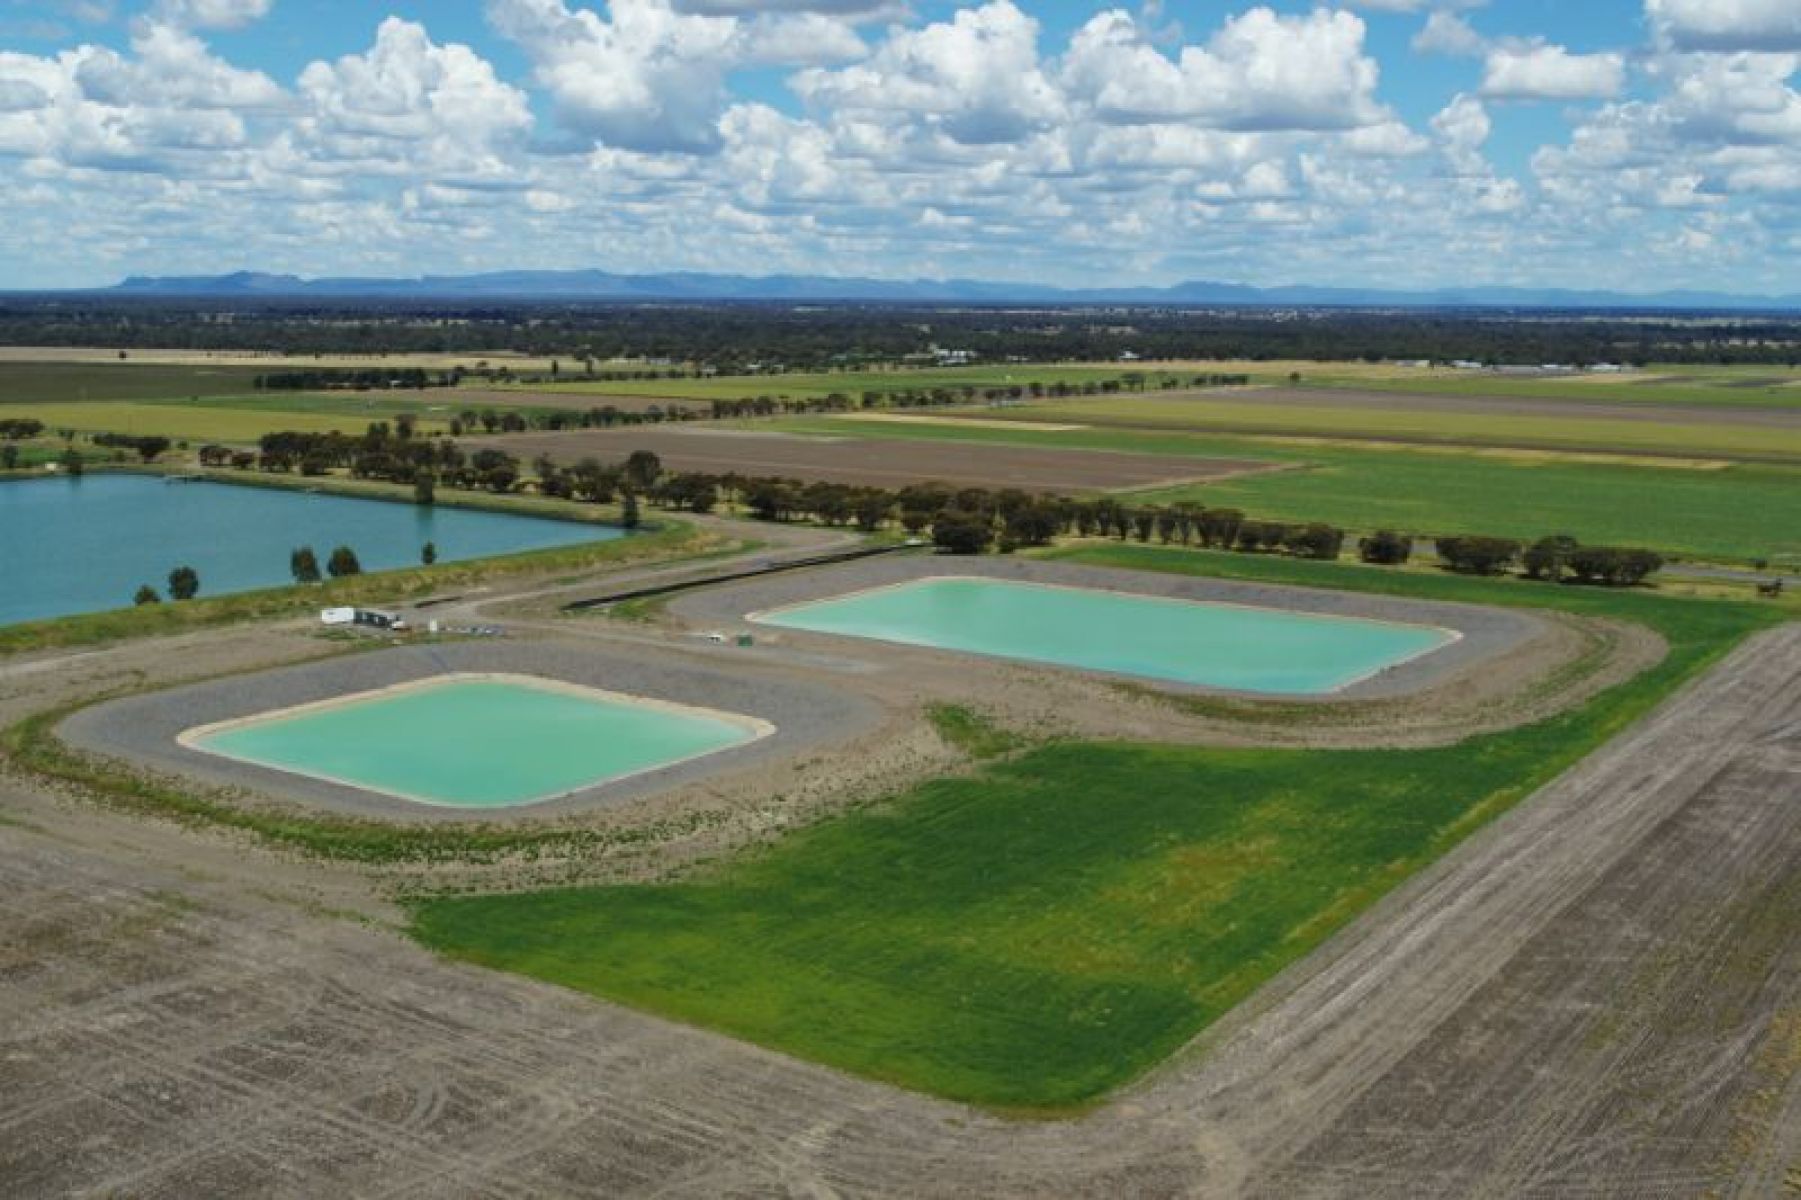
(1209, 645)
(478, 743)
(85, 545)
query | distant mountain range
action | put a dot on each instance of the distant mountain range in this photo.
(603, 285)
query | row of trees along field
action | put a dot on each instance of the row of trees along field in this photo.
(148, 447)
(364, 380)
(1554, 558)
(962, 520)
(744, 338)
(608, 416)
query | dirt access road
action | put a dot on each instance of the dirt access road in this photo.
(1598, 995)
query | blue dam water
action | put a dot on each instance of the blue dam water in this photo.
(87, 544)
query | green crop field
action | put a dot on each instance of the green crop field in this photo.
(43, 383)
(430, 405)
(850, 383)
(196, 403)
(1042, 932)
(1240, 412)
(1740, 512)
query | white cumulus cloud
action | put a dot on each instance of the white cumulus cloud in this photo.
(411, 106)
(862, 10)
(212, 14)
(1261, 71)
(1541, 71)
(652, 76)
(976, 77)
(1449, 34)
(1726, 25)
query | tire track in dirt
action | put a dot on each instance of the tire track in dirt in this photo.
(1572, 1002)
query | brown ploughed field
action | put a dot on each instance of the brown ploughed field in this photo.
(877, 462)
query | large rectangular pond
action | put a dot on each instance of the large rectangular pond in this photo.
(1182, 641)
(87, 544)
(478, 741)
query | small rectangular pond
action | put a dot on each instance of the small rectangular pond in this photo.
(478, 741)
(1229, 646)
(87, 544)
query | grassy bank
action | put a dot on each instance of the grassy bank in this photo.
(1035, 935)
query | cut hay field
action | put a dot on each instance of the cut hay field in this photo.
(1037, 934)
(1738, 512)
(851, 383)
(1759, 435)
(191, 422)
(1743, 387)
(1727, 387)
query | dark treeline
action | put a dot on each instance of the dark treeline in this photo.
(1556, 559)
(390, 453)
(325, 380)
(608, 416)
(965, 520)
(149, 447)
(744, 338)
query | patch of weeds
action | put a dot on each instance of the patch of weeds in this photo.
(971, 732)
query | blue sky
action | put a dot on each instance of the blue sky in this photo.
(1635, 144)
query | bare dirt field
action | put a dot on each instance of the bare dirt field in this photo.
(1598, 995)
(877, 462)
